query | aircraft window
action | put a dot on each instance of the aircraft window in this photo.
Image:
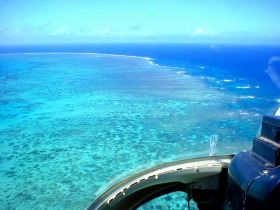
(175, 200)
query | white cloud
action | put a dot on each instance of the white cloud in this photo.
(114, 32)
(198, 30)
(103, 32)
(204, 32)
(62, 30)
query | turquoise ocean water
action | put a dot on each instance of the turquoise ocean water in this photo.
(72, 124)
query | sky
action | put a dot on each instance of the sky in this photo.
(139, 21)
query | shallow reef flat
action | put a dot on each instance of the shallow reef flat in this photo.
(73, 124)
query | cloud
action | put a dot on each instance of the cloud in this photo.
(198, 31)
(102, 32)
(239, 34)
(134, 31)
(204, 32)
(62, 31)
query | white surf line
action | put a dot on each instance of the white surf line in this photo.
(79, 53)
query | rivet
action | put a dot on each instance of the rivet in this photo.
(265, 172)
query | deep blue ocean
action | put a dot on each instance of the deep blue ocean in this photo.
(75, 119)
